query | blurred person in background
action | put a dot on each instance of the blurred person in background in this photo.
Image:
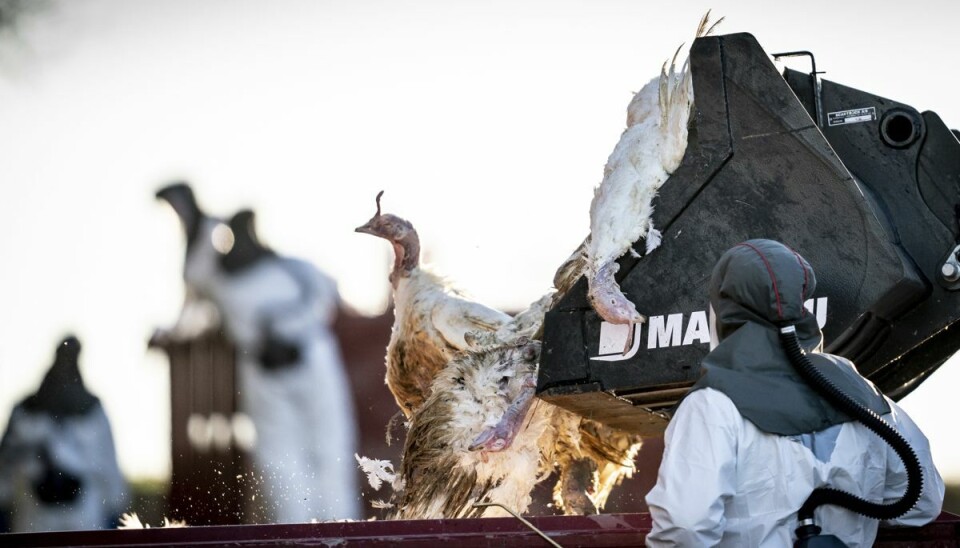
(58, 465)
(278, 312)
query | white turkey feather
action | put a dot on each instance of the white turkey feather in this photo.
(378, 471)
(453, 317)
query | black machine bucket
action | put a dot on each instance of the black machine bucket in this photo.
(865, 188)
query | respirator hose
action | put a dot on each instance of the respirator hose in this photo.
(843, 402)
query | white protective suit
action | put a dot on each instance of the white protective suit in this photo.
(723, 482)
(752, 440)
(81, 445)
(303, 413)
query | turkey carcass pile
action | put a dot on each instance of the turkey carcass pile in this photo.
(649, 150)
(518, 438)
(431, 318)
(590, 459)
(482, 436)
(441, 475)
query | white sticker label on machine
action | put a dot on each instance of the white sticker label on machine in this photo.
(671, 330)
(851, 116)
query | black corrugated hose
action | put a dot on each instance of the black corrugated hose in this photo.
(843, 402)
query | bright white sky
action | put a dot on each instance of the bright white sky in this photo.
(487, 123)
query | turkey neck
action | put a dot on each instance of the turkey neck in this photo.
(406, 257)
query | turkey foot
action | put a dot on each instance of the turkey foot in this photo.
(610, 302)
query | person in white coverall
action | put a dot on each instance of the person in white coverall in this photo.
(752, 440)
(300, 404)
(278, 312)
(58, 466)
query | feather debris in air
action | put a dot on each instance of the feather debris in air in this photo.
(130, 520)
(377, 471)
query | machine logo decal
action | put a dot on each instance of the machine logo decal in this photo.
(671, 330)
(851, 116)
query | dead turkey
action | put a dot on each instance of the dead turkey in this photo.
(431, 317)
(649, 150)
(438, 335)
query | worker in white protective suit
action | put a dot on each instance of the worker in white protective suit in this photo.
(58, 466)
(752, 439)
(277, 311)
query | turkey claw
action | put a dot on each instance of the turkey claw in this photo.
(492, 440)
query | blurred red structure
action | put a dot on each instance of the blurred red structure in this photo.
(207, 484)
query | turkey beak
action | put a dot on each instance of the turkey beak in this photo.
(366, 229)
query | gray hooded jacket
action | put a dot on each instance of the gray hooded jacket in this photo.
(757, 287)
